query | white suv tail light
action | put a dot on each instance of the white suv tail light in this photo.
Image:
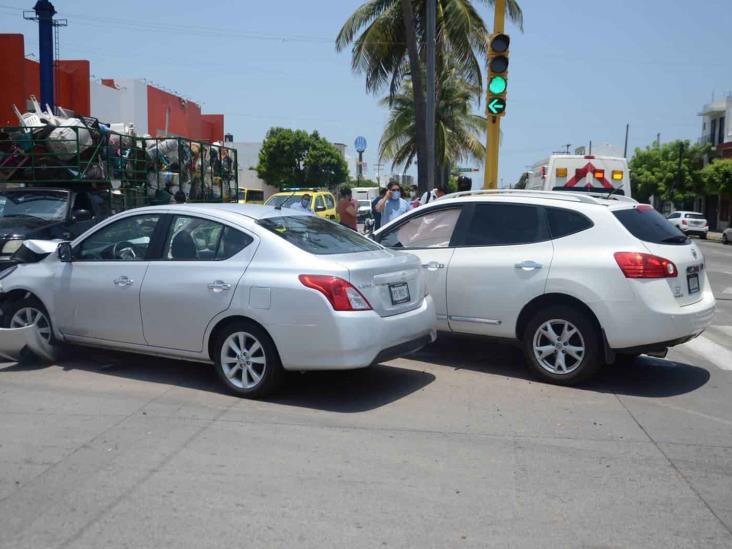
(343, 296)
(639, 265)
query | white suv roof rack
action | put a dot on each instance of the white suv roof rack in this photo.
(583, 197)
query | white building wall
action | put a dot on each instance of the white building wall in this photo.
(127, 104)
(248, 158)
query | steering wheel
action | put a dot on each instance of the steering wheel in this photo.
(124, 251)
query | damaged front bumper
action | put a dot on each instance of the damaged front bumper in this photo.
(14, 341)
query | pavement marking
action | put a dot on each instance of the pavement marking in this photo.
(713, 352)
(692, 412)
(728, 290)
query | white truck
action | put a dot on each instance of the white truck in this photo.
(574, 172)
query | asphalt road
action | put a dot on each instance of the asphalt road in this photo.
(455, 447)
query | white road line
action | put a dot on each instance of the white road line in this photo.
(715, 353)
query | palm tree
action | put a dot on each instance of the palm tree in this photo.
(391, 45)
(459, 130)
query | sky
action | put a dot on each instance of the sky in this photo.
(579, 71)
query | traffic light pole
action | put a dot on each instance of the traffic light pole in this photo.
(493, 129)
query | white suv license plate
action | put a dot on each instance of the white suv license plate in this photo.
(693, 281)
(399, 293)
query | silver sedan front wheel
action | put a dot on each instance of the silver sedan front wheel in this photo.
(243, 360)
(27, 316)
(559, 346)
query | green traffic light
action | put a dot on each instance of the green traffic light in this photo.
(497, 85)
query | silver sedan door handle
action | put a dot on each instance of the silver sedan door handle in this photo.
(218, 286)
(528, 266)
(123, 282)
(433, 266)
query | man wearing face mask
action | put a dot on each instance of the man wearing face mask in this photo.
(303, 205)
(392, 205)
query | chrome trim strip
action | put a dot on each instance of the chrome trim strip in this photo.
(441, 317)
(475, 320)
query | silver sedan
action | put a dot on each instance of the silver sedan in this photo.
(256, 290)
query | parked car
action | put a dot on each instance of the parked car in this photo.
(253, 289)
(727, 235)
(250, 196)
(691, 223)
(47, 213)
(322, 203)
(576, 280)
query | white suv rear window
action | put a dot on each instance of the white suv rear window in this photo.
(646, 224)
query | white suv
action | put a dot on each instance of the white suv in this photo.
(690, 223)
(576, 279)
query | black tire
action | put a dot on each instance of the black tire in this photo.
(10, 310)
(236, 382)
(587, 334)
(725, 240)
(703, 236)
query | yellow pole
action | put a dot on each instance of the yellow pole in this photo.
(493, 129)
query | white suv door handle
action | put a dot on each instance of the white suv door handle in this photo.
(528, 266)
(433, 266)
(123, 281)
(218, 286)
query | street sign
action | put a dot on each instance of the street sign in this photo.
(468, 170)
(496, 106)
(360, 144)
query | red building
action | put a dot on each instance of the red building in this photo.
(152, 110)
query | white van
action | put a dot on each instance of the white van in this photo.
(365, 193)
(573, 172)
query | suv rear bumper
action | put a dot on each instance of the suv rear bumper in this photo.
(638, 325)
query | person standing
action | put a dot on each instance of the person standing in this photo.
(434, 194)
(377, 214)
(392, 205)
(347, 209)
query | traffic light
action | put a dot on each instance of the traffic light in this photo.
(497, 73)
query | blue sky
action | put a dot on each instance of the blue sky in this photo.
(580, 70)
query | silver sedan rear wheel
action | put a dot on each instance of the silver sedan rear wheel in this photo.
(27, 316)
(243, 360)
(559, 347)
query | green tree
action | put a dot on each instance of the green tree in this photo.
(459, 130)
(388, 44)
(658, 171)
(717, 177)
(294, 158)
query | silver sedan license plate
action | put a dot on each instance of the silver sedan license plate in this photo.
(399, 293)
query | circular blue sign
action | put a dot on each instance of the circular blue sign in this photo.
(360, 144)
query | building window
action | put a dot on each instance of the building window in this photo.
(713, 135)
(720, 129)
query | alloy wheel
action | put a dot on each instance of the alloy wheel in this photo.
(243, 360)
(558, 347)
(27, 316)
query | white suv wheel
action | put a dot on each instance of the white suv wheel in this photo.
(559, 346)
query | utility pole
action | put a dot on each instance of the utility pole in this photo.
(625, 149)
(431, 32)
(658, 140)
(495, 106)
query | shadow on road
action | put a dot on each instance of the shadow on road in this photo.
(646, 377)
(346, 391)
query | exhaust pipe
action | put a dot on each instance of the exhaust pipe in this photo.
(658, 354)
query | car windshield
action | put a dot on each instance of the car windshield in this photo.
(284, 200)
(318, 236)
(47, 205)
(694, 216)
(646, 224)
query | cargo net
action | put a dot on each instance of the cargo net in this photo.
(50, 150)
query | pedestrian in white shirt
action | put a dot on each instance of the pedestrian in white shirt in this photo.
(438, 192)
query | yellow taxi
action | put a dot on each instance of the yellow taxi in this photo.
(250, 196)
(322, 203)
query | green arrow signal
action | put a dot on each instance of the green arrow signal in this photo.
(496, 105)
